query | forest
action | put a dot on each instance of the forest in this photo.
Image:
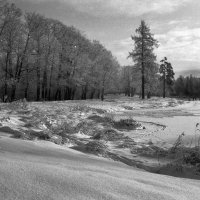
(44, 59)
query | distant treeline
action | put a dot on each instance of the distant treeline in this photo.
(131, 82)
(43, 59)
(182, 87)
(187, 87)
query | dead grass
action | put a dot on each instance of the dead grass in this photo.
(96, 147)
(60, 124)
(108, 135)
(184, 160)
(126, 124)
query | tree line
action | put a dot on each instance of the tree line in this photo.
(147, 77)
(43, 59)
(187, 87)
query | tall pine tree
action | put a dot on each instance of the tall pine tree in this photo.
(142, 54)
(167, 74)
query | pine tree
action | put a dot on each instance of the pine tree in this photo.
(143, 54)
(167, 74)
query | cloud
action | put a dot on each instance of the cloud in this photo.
(177, 22)
(121, 49)
(138, 7)
(181, 44)
(101, 8)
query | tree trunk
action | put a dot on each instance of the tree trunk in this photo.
(98, 94)
(20, 64)
(92, 94)
(164, 85)
(68, 93)
(73, 94)
(129, 87)
(149, 95)
(133, 92)
(26, 92)
(58, 94)
(44, 84)
(49, 94)
(50, 84)
(13, 92)
(27, 83)
(6, 75)
(102, 94)
(143, 70)
(143, 80)
(84, 92)
(38, 83)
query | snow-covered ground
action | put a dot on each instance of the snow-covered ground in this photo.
(129, 130)
(43, 171)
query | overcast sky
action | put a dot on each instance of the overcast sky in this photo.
(175, 23)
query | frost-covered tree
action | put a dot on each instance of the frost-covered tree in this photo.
(43, 59)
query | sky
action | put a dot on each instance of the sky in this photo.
(174, 23)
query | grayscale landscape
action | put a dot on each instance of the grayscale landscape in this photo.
(99, 100)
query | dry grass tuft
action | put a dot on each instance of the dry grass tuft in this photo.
(96, 147)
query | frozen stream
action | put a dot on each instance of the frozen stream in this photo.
(164, 126)
(175, 126)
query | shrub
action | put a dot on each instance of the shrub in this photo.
(128, 124)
